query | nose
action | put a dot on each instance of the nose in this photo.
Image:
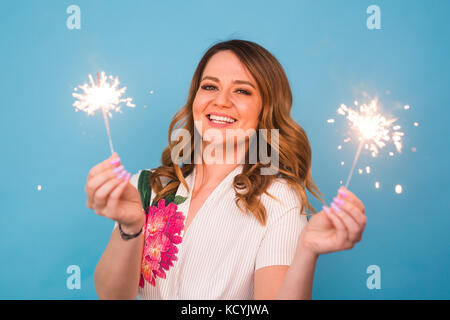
(222, 99)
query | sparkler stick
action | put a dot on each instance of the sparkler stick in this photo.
(108, 131)
(358, 152)
(101, 95)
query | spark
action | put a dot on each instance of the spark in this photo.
(101, 95)
(377, 184)
(406, 107)
(104, 95)
(398, 189)
(375, 131)
(416, 124)
(330, 120)
(367, 169)
(39, 187)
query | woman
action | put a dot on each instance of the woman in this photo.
(250, 238)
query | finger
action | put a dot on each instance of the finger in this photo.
(114, 160)
(348, 195)
(354, 230)
(341, 230)
(94, 183)
(359, 217)
(103, 192)
(325, 215)
(115, 195)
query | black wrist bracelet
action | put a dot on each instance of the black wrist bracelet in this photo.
(126, 236)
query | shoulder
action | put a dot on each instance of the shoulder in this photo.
(284, 192)
(286, 200)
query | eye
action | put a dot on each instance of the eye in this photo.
(244, 92)
(208, 87)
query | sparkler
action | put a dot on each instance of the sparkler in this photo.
(102, 95)
(374, 130)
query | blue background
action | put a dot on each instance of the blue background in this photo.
(330, 57)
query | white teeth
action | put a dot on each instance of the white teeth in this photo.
(221, 122)
(221, 119)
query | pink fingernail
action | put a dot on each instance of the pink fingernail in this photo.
(343, 193)
(118, 169)
(122, 174)
(335, 207)
(338, 201)
(326, 209)
(127, 177)
(115, 161)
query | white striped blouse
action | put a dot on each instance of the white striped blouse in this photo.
(223, 247)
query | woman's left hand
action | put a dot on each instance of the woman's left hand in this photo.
(335, 228)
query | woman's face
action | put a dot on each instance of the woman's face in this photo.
(226, 89)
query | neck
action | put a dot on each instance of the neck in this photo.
(211, 174)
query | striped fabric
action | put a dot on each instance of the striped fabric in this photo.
(223, 246)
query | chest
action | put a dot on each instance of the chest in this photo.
(196, 203)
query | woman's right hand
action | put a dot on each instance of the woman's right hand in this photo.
(111, 195)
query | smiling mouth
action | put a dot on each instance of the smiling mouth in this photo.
(220, 119)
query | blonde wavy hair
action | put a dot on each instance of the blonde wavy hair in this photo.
(294, 148)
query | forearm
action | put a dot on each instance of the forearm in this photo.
(298, 282)
(118, 271)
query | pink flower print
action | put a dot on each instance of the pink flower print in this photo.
(155, 224)
(163, 224)
(176, 223)
(153, 249)
(146, 274)
(156, 245)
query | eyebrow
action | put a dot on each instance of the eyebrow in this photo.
(235, 81)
